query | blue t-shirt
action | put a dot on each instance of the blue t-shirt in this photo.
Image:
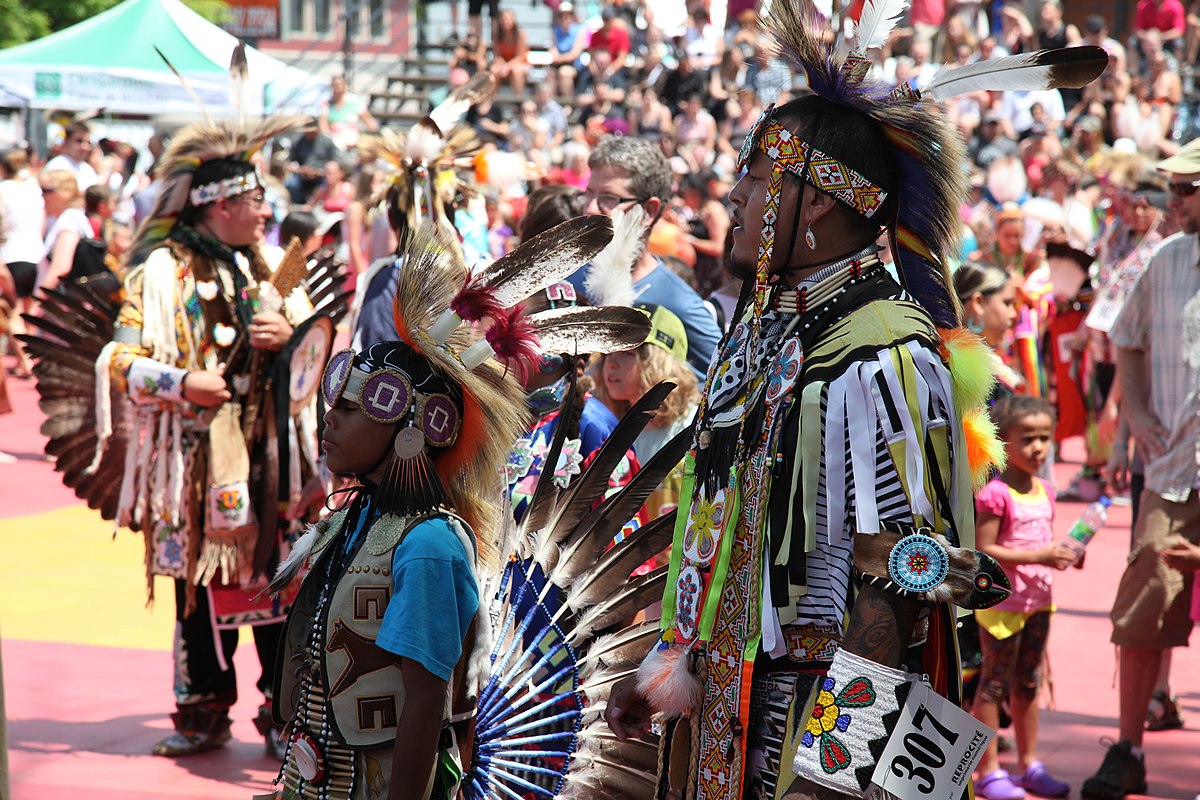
(664, 288)
(434, 598)
(377, 319)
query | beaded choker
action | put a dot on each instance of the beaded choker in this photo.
(823, 285)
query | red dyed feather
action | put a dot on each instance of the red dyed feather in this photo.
(513, 338)
(474, 302)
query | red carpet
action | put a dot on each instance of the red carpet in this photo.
(82, 717)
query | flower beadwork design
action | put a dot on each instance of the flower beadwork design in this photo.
(784, 371)
(520, 459)
(704, 527)
(828, 716)
(687, 600)
(569, 461)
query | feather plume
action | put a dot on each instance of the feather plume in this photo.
(972, 366)
(474, 303)
(1067, 67)
(666, 680)
(985, 451)
(295, 561)
(239, 80)
(514, 341)
(187, 87)
(791, 24)
(547, 258)
(875, 25)
(449, 113)
(587, 329)
(609, 281)
(425, 142)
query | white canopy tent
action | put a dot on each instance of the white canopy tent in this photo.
(109, 62)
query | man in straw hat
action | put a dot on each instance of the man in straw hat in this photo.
(1158, 367)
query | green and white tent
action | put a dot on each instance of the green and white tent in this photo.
(109, 62)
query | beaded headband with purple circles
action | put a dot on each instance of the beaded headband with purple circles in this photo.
(392, 384)
(386, 395)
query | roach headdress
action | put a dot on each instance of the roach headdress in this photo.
(890, 155)
(208, 161)
(428, 164)
(450, 387)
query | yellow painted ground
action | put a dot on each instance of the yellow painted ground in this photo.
(64, 578)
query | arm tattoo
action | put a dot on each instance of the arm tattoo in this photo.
(881, 626)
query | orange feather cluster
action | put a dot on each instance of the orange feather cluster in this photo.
(985, 451)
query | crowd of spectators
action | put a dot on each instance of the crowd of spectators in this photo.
(1065, 209)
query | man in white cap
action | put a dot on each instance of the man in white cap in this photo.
(1158, 365)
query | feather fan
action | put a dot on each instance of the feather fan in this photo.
(1067, 68)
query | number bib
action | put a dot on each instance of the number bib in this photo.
(927, 747)
(933, 749)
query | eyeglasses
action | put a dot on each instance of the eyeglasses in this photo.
(607, 202)
(252, 200)
(1183, 188)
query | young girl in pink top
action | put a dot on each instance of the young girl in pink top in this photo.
(1014, 513)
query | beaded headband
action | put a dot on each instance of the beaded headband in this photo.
(801, 159)
(387, 396)
(222, 189)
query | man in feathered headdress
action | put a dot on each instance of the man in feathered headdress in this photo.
(828, 537)
(214, 462)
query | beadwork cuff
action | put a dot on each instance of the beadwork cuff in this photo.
(847, 723)
(151, 381)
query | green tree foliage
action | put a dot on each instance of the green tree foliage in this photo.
(25, 20)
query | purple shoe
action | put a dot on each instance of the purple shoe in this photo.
(1040, 782)
(998, 785)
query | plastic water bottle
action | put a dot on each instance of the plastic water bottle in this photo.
(1090, 521)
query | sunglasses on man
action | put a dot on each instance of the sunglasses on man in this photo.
(1183, 188)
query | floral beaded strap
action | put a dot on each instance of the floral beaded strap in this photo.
(699, 558)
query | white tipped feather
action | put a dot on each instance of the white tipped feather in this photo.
(239, 79)
(609, 281)
(875, 25)
(1067, 67)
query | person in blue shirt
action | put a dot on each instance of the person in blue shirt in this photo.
(380, 641)
(627, 171)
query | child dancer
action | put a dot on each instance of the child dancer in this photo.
(1013, 525)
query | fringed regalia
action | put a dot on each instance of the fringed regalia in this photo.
(840, 428)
